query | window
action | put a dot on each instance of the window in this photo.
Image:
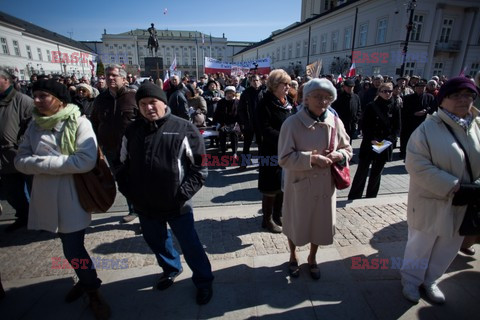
(39, 51)
(305, 48)
(297, 50)
(362, 35)
(409, 66)
(323, 43)
(474, 69)
(347, 40)
(314, 45)
(382, 31)
(376, 70)
(49, 57)
(16, 48)
(284, 51)
(130, 60)
(417, 27)
(112, 59)
(290, 51)
(446, 30)
(278, 54)
(4, 45)
(334, 41)
(438, 69)
(121, 59)
(29, 52)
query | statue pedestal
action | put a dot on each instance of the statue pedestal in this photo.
(153, 68)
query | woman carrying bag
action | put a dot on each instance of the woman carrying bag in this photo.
(58, 144)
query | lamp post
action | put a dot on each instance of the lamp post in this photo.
(410, 7)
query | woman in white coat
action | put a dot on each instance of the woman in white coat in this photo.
(59, 143)
(437, 167)
(309, 203)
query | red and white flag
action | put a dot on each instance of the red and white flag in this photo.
(351, 72)
(340, 78)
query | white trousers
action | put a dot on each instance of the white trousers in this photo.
(427, 257)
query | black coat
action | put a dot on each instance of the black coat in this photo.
(271, 114)
(411, 104)
(162, 168)
(381, 121)
(246, 109)
(349, 110)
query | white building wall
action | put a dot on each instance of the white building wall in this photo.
(423, 52)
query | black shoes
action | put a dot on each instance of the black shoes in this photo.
(468, 251)
(166, 282)
(204, 295)
(19, 223)
(75, 293)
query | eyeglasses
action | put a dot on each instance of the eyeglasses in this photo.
(321, 98)
(458, 96)
(386, 91)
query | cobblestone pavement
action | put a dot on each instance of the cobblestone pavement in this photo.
(28, 254)
(225, 235)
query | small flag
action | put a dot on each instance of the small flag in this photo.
(165, 11)
(340, 78)
(173, 66)
(351, 72)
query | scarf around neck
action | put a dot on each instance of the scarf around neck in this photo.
(69, 114)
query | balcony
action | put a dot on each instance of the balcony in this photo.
(448, 46)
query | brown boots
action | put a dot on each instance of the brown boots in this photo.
(268, 204)
(99, 307)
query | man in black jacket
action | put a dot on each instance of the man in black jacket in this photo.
(414, 112)
(15, 113)
(113, 111)
(162, 170)
(348, 107)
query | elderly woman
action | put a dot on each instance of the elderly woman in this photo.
(310, 194)
(226, 118)
(58, 144)
(273, 109)
(198, 106)
(381, 121)
(84, 99)
(436, 164)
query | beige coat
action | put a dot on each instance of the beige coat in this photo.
(436, 163)
(309, 203)
(54, 204)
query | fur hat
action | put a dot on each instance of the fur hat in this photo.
(86, 87)
(453, 85)
(229, 88)
(58, 90)
(148, 90)
(323, 84)
(190, 89)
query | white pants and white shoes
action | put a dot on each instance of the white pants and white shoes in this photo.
(434, 293)
(411, 292)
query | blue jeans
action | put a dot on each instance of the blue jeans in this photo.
(159, 239)
(73, 248)
(16, 189)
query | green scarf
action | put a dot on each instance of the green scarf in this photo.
(69, 114)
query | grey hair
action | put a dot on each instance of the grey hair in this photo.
(4, 73)
(122, 72)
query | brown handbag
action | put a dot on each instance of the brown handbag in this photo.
(340, 174)
(96, 188)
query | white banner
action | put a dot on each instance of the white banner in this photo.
(261, 66)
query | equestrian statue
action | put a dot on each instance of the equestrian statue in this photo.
(152, 40)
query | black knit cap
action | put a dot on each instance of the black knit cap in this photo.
(58, 90)
(150, 90)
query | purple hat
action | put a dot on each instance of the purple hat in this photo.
(453, 85)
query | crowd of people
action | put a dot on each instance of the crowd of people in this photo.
(150, 133)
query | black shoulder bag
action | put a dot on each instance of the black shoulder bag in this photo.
(469, 194)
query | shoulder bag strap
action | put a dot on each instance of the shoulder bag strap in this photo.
(333, 134)
(467, 160)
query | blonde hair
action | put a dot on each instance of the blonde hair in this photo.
(276, 77)
(388, 85)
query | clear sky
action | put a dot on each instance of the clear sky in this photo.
(240, 20)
